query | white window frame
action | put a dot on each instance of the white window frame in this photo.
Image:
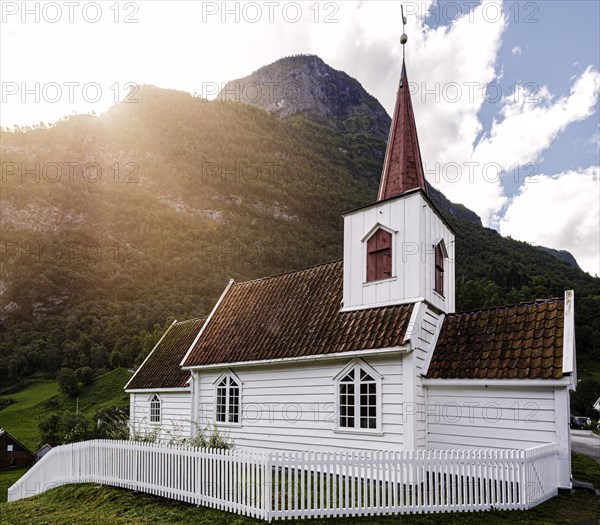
(154, 398)
(356, 365)
(228, 376)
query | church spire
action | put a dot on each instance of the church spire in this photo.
(403, 167)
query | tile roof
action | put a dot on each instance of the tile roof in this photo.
(294, 315)
(523, 341)
(161, 369)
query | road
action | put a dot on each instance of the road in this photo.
(586, 442)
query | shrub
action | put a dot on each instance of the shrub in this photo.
(68, 427)
(85, 375)
(113, 423)
(210, 438)
(67, 382)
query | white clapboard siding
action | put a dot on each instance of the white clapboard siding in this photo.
(175, 413)
(294, 406)
(416, 228)
(495, 417)
(304, 484)
(423, 346)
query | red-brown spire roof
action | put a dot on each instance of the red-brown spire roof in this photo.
(403, 167)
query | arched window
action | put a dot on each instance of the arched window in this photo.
(155, 409)
(358, 397)
(227, 409)
(379, 256)
(439, 267)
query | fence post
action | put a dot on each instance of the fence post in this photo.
(523, 480)
(266, 491)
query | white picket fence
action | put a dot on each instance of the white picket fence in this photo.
(280, 485)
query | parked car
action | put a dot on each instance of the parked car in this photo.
(578, 422)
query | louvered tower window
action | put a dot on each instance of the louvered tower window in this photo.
(439, 269)
(379, 256)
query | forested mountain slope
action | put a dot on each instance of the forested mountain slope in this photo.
(111, 226)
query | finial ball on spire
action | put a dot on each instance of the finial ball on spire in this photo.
(403, 39)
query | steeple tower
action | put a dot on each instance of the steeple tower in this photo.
(403, 167)
(399, 249)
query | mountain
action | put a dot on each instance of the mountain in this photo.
(562, 255)
(113, 225)
(304, 85)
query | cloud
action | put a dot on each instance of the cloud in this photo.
(516, 51)
(561, 212)
(451, 81)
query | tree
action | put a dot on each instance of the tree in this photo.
(49, 430)
(68, 427)
(583, 399)
(85, 375)
(67, 382)
(115, 359)
(74, 427)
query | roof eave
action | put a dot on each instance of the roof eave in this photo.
(400, 349)
(408, 193)
(430, 381)
(160, 389)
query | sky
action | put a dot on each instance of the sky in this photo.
(505, 92)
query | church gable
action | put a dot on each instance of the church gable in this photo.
(161, 368)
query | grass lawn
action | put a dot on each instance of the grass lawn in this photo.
(7, 478)
(586, 469)
(93, 505)
(22, 417)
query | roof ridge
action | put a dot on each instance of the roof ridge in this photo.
(289, 273)
(507, 306)
(200, 318)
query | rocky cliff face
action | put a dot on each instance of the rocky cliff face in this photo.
(305, 85)
(562, 255)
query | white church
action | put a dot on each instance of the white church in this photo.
(368, 352)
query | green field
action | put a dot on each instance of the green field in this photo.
(110, 506)
(22, 417)
(7, 478)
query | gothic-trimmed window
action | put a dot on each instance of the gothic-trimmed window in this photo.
(155, 409)
(439, 268)
(379, 256)
(227, 406)
(358, 389)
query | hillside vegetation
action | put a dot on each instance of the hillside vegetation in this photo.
(114, 225)
(41, 398)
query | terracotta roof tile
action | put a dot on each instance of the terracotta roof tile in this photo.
(293, 315)
(523, 341)
(161, 369)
